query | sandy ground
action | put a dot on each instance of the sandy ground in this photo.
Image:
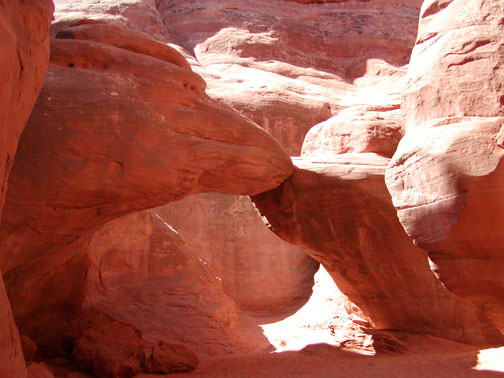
(320, 340)
(325, 361)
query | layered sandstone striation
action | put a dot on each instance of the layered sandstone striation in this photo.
(446, 176)
(140, 259)
(289, 66)
(357, 129)
(263, 274)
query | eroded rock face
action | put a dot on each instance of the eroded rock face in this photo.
(137, 270)
(107, 348)
(446, 176)
(170, 358)
(357, 129)
(107, 137)
(24, 27)
(289, 66)
(262, 273)
(141, 259)
(24, 43)
(339, 211)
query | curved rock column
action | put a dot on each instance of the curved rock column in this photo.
(447, 177)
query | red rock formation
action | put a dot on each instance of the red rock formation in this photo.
(140, 259)
(356, 129)
(36, 370)
(170, 358)
(263, 274)
(289, 66)
(107, 138)
(446, 176)
(102, 127)
(24, 43)
(107, 348)
(12, 363)
(136, 269)
(24, 27)
(339, 212)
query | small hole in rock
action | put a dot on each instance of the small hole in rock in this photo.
(70, 65)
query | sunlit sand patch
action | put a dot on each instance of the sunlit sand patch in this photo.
(491, 359)
(322, 320)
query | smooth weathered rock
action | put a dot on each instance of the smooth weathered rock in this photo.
(339, 211)
(170, 358)
(289, 66)
(446, 176)
(107, 348)
(356, 129)
(107, 138)
(262, 273)
(24, 42)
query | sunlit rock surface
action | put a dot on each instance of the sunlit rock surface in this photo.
(446, 176)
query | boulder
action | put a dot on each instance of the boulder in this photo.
(446, 176)
(171, 358)
(339, 211)
(107, 348)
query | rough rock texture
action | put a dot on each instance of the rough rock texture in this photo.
(170, 358)
(446, 176)
(339, 211)
(140, 259)
(107, 137)
(262, 273)
(289, 66)
(135, 269)
(12, 363)
(356, 129)
(24, 42)
(107, 348)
